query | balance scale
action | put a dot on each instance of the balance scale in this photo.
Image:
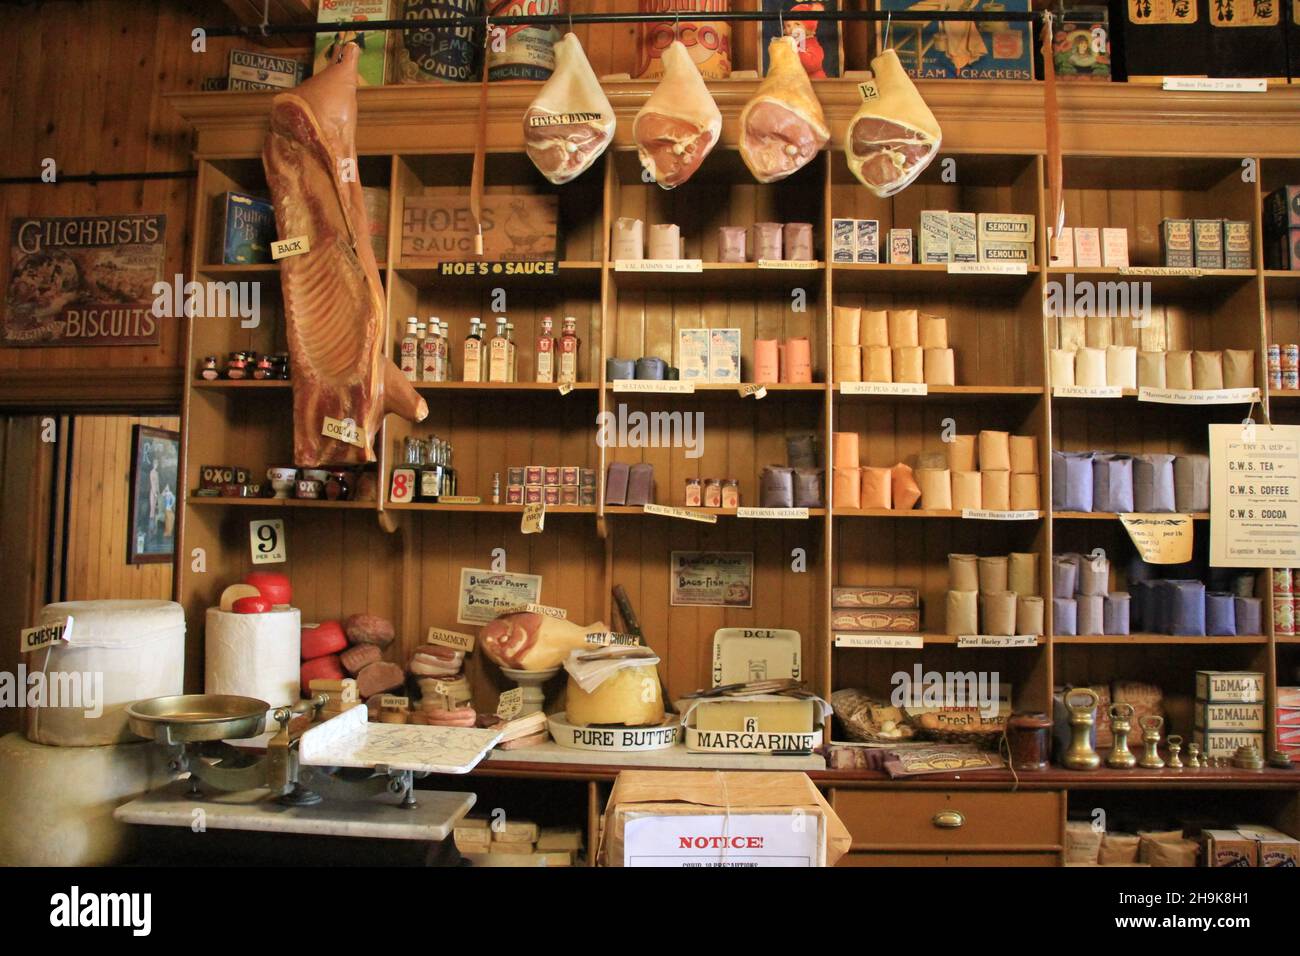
(338, 777)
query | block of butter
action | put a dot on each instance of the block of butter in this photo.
(516, 831)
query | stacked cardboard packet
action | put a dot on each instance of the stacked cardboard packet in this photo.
(516, 843)
(875, 609)
(1089, 357)
(1229, 711)
(994, 595)
(891, 345)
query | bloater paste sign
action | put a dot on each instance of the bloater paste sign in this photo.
(84, 280)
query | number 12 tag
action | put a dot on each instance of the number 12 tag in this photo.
(266, 541)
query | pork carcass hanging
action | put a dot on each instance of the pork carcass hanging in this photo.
(893, 136)
(568, 126)
(783, 126)
(333, 297)
(679, 124)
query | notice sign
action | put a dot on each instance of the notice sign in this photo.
(1160, 538)
(712, 579)
(1255, 496)
(43, 635)
(485, 594)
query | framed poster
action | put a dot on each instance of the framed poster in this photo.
(712, 579)
(151, 524)
(84, 280)
(485, 594)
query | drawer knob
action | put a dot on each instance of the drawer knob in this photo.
(949, 819)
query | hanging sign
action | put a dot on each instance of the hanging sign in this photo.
(485, 594)
(1160, 538)
(1255, 496)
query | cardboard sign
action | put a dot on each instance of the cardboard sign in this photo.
(659, 265)
(346, 431)
(1160, 538)
(887, 641)
(516, 227)
(297, 246)
(1087, 391)
(266, 541)
(453, 639)
(1198, 396)
(983, 514)
(544, 609)
(790, 514)
(666, 386)
(1255, 496)
(996, 640)
(884, 388)
(510, 703)
(506, 268)
(757, 391)
(689, 514)
(43, 635)
(533, 519)
(988, 268)
(485, 594)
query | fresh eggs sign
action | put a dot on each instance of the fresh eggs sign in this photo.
(83, 280)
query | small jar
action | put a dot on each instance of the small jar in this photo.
(1029, 737)
(236, 366)
(730, 493)
(694, 495)
(712, 493)
(210, 372)
(282, 366)
(262, 371)
(338, 486)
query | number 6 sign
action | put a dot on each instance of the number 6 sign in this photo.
(266, 540)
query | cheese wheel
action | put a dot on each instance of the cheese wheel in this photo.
(320, 668)
(631, 697)
(272, 585)
(251, 605)
(325, 638)
(236, 591)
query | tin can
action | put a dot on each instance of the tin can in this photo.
(1274, 357)
(440, 56)
(1275, 379)
(1291, 357)
(707, 41)
(527, 52)
(1290, 380)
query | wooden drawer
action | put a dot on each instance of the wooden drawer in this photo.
(914, 820)
(949, 859)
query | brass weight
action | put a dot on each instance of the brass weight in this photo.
(1175, 744)
(1081, 755)
(1194, 755)
(1150, 725)
(1120, 757)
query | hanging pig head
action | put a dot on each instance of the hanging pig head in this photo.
(333, 297)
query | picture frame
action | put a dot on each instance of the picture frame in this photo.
(153, 495)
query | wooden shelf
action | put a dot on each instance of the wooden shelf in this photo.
(720, 512)
(1282, 283)
(486, 508)
(944, 392)
(741, 276)
(919, 278)
(219, 502)
(1112, 516)
(922, 513)
(932, 638)
(1212, 281)
(1105, 640)
(244, 384)
(488, 389)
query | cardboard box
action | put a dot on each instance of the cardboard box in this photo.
(1288, 697)
(1087, 247)
(1176, 243)
(1207, 241)
(900, 247)
(1006, 227)
(1282, 210)
(844, 240)
(934, 236)
(1273, 848)
(962, 243)
(867, 596)
(712, 819)
(1114, 248)
(693, 355)
(246, 229)
(1228, 848)
(372, 68)
(1283, 251)
(993, 250)
(1244, 687)
(876, 619)
(1064, 249)
(1229, 716)
(516, 227)
(1237, 246)
(998, 51)
(1081, 45)
(1224, 743)
(724, 355)
(867, 244)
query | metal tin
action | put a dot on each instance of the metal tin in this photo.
(1290, 357)
(1275, 379)
(1274, 357)
(528, 52)
(1290, 380)
(433, 56)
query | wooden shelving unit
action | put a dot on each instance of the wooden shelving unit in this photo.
(1134, 155)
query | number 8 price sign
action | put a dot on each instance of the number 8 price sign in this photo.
(266, 541)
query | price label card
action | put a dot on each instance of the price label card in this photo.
(996, 640)
(460, 499)
(1160, 538)
(34, 638)
(1087, 391)
(453, 639)
(983, 514)
(792, 514)
(544, 609)
(755, 390)
(884, 388)
(394, 702)
(1204, 84)
(401, 489)
(565, 388)
(1157, 271)
(1198, 396)
(266, 541)
(283, 248)
(658, 265)
(1255, 496)
(988, 268)
(806, 265)
(510, 703)
(533, 519)
(346, 431)
(888, 641)
(689, 514)
(647, 385)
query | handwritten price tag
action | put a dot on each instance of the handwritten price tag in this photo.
(510, 703)
(1160, 538)
(534, 518)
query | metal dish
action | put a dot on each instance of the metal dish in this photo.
(186, 718)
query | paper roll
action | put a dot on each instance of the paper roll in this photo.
(936, 489)
(253, 655)
(1062, 366)
(628, 239)
(844, 448)
(1089, 611)
(1192, 483)
(1115, 613)
(1024, 493)
(1178, 369)
(934, 331)
(998, 612)
(962, 612)
(1098, 332)
(1238, 368)
(1022, 572)
(731, 243)
(1121, 366)
(1151, 369)
(962, 455)
(1070, 333)
(847, 324)
(963, 572)
(994, 451)
(1029, 615)
(940, 367)
(798, 361)
(1023, 451)
(1064, 616)
(993, 573)
(908, 364)
(875, 327)
(904, 328)
(877, 363)
(1090, 367)
(846, 487)
(664, 241)
(995, 490)
(967, 490)
(766, 365)
(848, 363)
(906, 492)
(1153, 483)
(1207, 369)
(877, 488)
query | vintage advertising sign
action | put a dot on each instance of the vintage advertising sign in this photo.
(485, 594)
(84, 280)
(712, 579)
(1254, 496)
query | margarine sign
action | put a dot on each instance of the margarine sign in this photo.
(84, 280)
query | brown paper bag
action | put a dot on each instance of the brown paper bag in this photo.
(1098, 332)
(905, 490)
(847, 325)
(848, 363)
(846, 487)
(1178, 369)
(1023, 454)
(967, 490)
(874, 330)
(1062, 367)
(998, 612)
(962, 612)
(1024, 493)
(995, 451)
(904, 328)
(1022, 572)
(1238, 368)
(963, 572)
(844, 449)
(993, 573)
(1207, 370)
(940, 367)
(936, 489)
(1029, 615)
(995, 489)
(934, 332)
(1151, 369)
(962, 454)
(1090, 367)
(877, 487)
(909, 364)
(1070, 333)
(877, 364)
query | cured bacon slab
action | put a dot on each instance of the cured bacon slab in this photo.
(533, 642)
(333, 297)
(679, 124)
(891, 138)
(783, 126)
(570, 124)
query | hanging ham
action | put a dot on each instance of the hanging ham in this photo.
(333, 298)
(571, 122)
(527, 641)
(783, 126)
(894, 136)
(679, 124)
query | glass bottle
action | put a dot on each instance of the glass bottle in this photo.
(473, 352)
(545, 353)
(408, 352)
(568, 348)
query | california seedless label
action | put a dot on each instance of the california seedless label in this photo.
(453, 639)
(789, 514)
(1244, 13)
(1160, 538)
(1255, 496)
(1181, 12)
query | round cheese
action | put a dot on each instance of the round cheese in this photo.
(631, 697)
(273, 585)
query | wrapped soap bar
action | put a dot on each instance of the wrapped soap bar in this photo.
(641, 484)
(1065, 574)
(846, 325)
(1192, 483)
(936, 489)
(848, 363)
(962, 454)
(1029, 615)
(798, 240)
(767, 367)
(963, 572)
(904, 328)
(1178, 369)
(1090, 367)
(776, 487)
(616, 479)
(1238, 368)
(731, 243)
(1064, 616)
(1093, 575)
(1112, 483)
(844, 448)
(1153, 483)
(1151, 369)
(993, 573)
(627, 241)
(1072, 481)
(906, 492)
(1023, 452)
(1098, 332)
(1024, 493)
(967, 490)
(962, 615)
(875, 328)
(846, 488)
(1121, 366)
(1089, 613)
(797, 367)
(994, 451)
(1062, 367)
(1220, 614)
(808, 491)
(908, 364)
(801, 450)
(995, 490)
(1022, 572)
(1184, 608)
(934, 331)
(998, 612)
(765, 240)
(877, 363)
(1207, 370)
(940, 367)
(664, 242)
(877, 487)
(1249, 615)
(1115, 613)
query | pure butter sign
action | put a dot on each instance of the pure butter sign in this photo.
(485, 594)
(1255, 496)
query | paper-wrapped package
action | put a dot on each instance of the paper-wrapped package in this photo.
(1070, 332)
(731, 243)
(1153, 483)
(877, 363)
(847, 360)
(1064, 616)
(664, 241)
(993, 573)
(847, 325)
(767, 365)
(1024, 492)
(962, 612)
(909, 364)
(1029, 615)
(801, 450)
(1192, 483)
(1112, 483)
(994, 451)
(796, 367)
(1098, 332)
(1090, 367)
(1072, 481)
(995, 490)
(1183, 607)
(253, 655)
(628, 239)
(844, 448)
(962, 454)
(776, 487)
(1115, 613)
(904, 328)
(877, 487)
(1062, 368)
(1220, 614)
(1207, 370)
(797, 239)
(963, 572)
(1178, 369)
(1023, 454)
(998, 612)
(1022, 572)
(1094, 575)
(1151, 369)
(1065, 574)
(967, 490)
(1248, 611)
(808, 488)
(934, 331)
(906, 492)
(936, 489)
(846, 487)
(874, 328)
(1238, 368)
(1088, 613)
(940, 367)
(1121, 366)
